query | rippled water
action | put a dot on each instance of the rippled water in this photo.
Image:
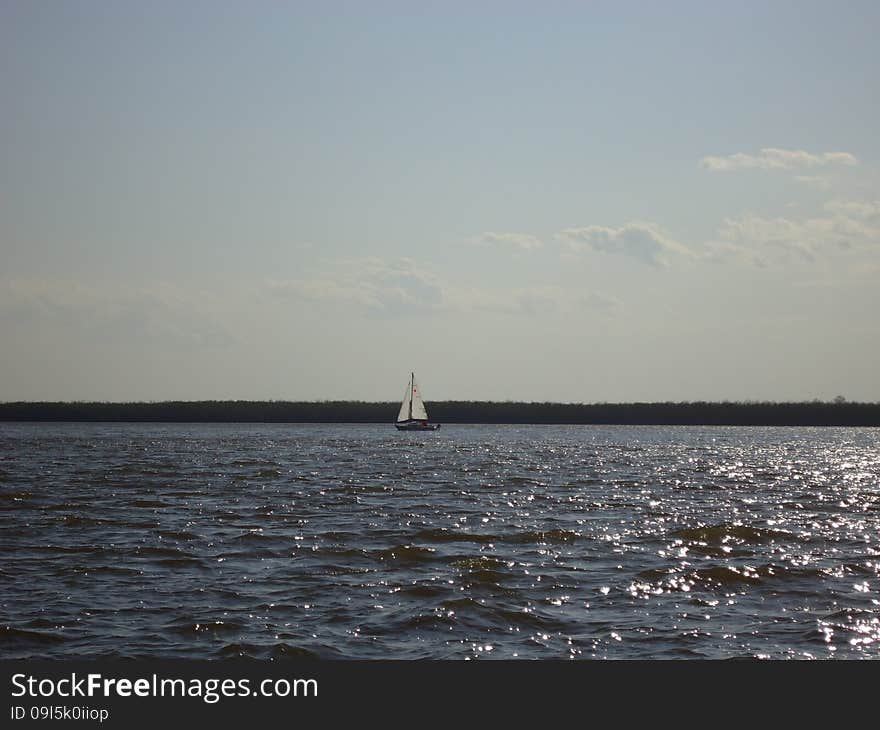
(356, 541)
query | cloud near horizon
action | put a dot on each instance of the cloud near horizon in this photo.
(772, 158)
(399, 286)
(644, 241)
(541, 300)
(521, 241)
(849, 226)
(862, 209)
(402, 287)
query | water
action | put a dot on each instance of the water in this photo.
(356, 541)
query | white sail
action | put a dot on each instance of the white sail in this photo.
(418, 405)
(404, 407)
(412, 407)
(413, 416)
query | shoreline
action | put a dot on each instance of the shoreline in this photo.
(700, 413)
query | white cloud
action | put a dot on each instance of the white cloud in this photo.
(404, 287)
(741, 236)
(522, 241)
(644, 241)
(840, 158)
(763, 241)
(771, 158)
(522, 300)
(399, 286)
(864, 209)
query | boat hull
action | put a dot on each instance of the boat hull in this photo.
(416, 426)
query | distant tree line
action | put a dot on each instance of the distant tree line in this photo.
(812, 413)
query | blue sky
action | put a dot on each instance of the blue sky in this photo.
(571, 201)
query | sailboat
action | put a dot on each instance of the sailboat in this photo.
(413, 416)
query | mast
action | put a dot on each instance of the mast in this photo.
(412, 392)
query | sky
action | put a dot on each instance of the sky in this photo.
(561, 201)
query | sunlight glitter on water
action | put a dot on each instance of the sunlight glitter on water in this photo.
(347, 541)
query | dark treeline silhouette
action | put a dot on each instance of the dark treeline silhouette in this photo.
(813, 413)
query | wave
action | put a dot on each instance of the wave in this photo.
(443, 534)
(78, 521)
(405, 554)
(544, 536)
(11, 636)
(726, 531)
(280, 650)
(425, 590)
(188, 626)
(149, 503)
(497, 613)
(183, 535)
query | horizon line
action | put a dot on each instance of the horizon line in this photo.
(837, 400)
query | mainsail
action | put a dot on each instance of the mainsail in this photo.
(413, 407)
